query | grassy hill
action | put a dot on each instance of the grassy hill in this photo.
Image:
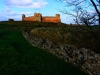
(84, 37)
(18, 57)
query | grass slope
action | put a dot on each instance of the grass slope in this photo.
(18, 57)
(89, 39)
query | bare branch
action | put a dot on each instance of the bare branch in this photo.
(81, 13)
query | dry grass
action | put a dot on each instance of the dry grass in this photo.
(54, 34)
(60, 33)
(74, 36)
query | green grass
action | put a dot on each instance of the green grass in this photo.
(18, 57)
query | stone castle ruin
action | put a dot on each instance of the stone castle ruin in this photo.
(38, 17)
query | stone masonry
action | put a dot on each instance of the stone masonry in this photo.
(38, 17)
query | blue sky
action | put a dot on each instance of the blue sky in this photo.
(15, 8)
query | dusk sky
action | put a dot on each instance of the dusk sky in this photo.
(15, 8)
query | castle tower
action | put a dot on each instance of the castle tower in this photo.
(58, 17)
(37, 17)
(23, 16)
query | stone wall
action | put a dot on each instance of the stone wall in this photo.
(40, 18)
(11, 20)
(50, 19)
(85, 59)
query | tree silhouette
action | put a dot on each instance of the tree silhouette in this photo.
(81, 11)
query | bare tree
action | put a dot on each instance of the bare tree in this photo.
(81, 11)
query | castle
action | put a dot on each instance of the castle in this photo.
(38, 17)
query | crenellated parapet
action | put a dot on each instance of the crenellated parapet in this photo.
(38, 17)
(49, 16)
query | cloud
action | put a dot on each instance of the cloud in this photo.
(3, 18)
(8, 13)
(91, 11)
(26, 13)
(18, 2)
(67, 20)
(26, 3)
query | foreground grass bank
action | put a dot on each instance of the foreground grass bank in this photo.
(78, 37)
(18, 57)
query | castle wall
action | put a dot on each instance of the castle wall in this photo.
(28, 19)
(50, 19)
(40, 18)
